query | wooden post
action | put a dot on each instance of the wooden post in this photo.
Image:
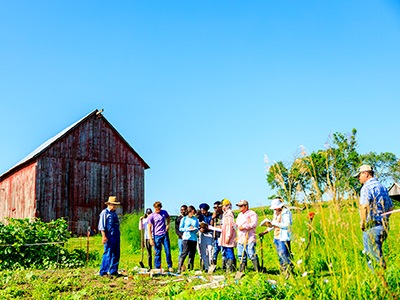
(88, 235)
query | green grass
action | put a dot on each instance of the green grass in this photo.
(333, 267)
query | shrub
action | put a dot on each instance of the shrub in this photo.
(24, 243)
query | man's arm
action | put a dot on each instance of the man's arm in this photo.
(150, 226)
(363, 216)
(168, 221)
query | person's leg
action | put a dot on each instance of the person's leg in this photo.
(206, 243)
(105, 263)
(185, 252)
(149, 251)
(373, 239)
(251, 253)
(192, 253)
(230, 257)
(209, 251)
(286, 255)
(217, 249)
(240, 253)
(180, 247)
(279, 251)
(115, 256)
(380, 236)
(157, 255)
(167, 248)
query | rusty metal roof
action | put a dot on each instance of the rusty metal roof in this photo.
(49, 142)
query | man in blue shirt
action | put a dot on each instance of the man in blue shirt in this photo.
(374, 201)
(109, 228)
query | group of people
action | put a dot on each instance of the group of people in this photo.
(209, 234)
(213, 233)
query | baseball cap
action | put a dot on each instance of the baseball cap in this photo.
(363, 168)
(242, 202)
(148, 211)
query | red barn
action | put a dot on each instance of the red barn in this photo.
(73, 174)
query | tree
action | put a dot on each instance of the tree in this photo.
(343, 160)
(287, 179)
(330, 170)
(386, 166)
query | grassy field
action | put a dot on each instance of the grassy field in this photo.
(332, 267)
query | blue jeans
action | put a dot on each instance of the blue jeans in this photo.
(229, 254)
(180, 245)
(284, 253)
(160, 240)
(373, 239)
(111, 255)
(250, 251)
(217, 249)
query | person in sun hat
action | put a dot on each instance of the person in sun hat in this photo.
(282, 224)
(143, 225)
(247, 222)
(109, 228)
(228, 234)
(374, 201)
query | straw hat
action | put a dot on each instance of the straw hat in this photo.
(113, 200)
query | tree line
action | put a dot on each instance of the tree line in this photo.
(327, 173)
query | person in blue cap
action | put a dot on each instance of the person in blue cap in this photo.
(206, 236)
(109, 228)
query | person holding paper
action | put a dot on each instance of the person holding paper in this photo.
(189, 226)
(228, 234)
(216, 221)
(206, 236)
(246, 222)
(282, 224)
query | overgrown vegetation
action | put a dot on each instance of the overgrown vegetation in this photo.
(35, 244)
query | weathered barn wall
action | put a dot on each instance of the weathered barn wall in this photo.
(78, 173)
(17, 194)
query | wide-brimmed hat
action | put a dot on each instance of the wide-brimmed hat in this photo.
(113, 200)
(277, 203)
(363, 168)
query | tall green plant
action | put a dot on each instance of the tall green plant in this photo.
(35, 244)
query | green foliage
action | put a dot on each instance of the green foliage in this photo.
(386, 165)
(329, 171)
(19, 239)
(130, 231)
(131, 234)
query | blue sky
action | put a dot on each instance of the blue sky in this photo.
(202, 89)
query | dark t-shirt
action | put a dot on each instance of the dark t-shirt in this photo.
(177, 224)
(218, 222)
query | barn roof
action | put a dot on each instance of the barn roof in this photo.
(54, 139)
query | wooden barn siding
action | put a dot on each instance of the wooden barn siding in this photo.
(18, 191)
(79, 172)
